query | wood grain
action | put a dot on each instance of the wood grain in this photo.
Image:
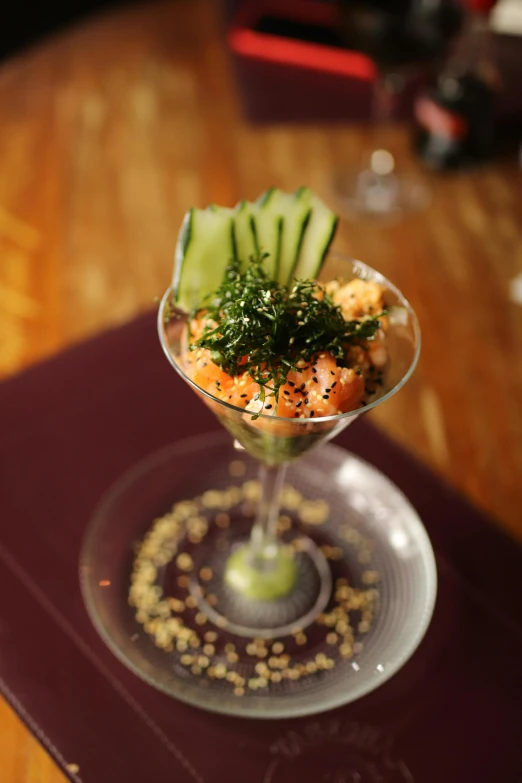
(111, 130)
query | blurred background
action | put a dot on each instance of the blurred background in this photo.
(405, 116)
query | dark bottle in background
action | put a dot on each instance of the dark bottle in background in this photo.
(399, 34)
(454, 119)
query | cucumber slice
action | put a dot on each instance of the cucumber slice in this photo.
(268, 230)
(204, 248)
(258, 230)
(275, 200)
(228, 212)
(295, 210)
(244, 232)
(295, 230)
(318, 236)
(220, 210)
(296, 223)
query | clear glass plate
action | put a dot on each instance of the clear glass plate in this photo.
(380, 561)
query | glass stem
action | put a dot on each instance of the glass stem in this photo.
(385, 90)
(264, 539)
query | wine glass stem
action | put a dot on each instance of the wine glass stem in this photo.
(385, 89)
(382, 99)
(263, 542)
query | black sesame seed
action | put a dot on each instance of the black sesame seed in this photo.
(325, 397)
(327, 390)
(286, 392)
(291, 383)
(332, 372)
(268, 407)
(243, 396)
(358, 372)
(312, 414)
(302, 386)
(298, 404)
(334, 384)
(315, 379)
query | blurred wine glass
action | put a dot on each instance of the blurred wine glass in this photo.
(402, 37)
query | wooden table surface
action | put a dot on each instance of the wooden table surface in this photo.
(109, 132)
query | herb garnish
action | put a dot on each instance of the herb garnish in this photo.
(257, 326)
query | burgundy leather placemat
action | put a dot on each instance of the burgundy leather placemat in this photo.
(68, 429)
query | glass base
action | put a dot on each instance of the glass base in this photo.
(262, 579)
(363, 193)
(251, 609)
(153, 574)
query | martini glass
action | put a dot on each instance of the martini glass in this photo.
(265, 587)
(264, 574)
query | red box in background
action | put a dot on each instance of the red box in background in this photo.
(285, 78)
(282, 77)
